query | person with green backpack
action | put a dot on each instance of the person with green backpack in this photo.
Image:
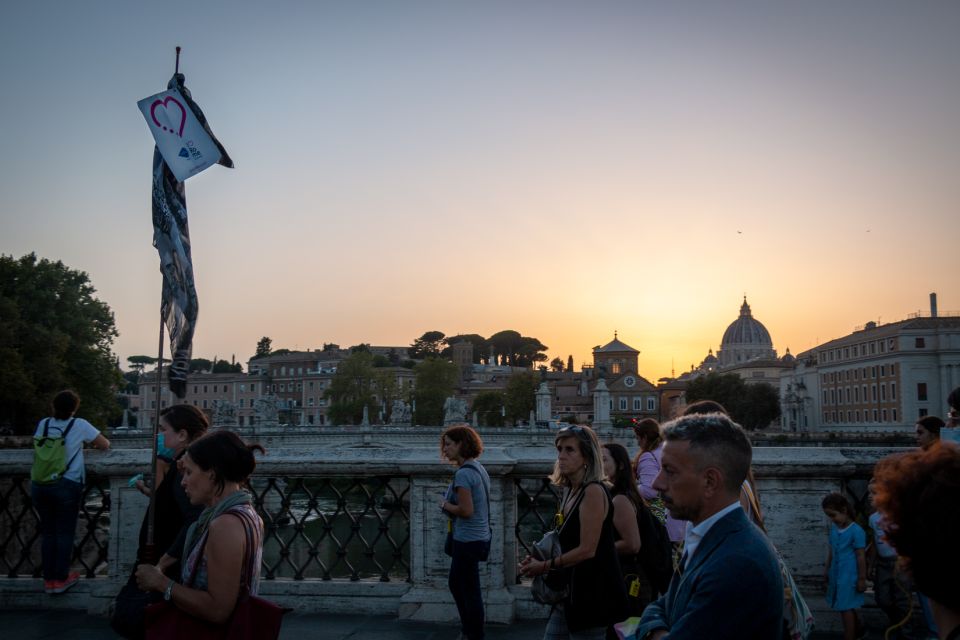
(57, 486)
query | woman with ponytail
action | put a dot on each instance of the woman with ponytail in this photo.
(223, 548)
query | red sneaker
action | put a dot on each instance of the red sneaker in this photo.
(49, 586)
(59, 586)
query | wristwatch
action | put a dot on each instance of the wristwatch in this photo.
(168, 592)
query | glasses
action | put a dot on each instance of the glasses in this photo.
(576, 430)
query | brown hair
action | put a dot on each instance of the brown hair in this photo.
(186, 417)
(230, 458)
(471, 446)
(705, 406)
(933, 424)
(918, 494)
(838, 502)
(65, 404)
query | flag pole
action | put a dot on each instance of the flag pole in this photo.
(150, 551)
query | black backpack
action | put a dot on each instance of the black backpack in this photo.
(656, 552)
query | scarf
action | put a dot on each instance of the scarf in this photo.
(198, 528)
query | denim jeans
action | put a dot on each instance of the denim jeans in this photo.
(464, 583)
(58, 506)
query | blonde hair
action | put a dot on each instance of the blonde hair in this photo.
(589, 449)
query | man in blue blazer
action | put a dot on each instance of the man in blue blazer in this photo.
(728, 584)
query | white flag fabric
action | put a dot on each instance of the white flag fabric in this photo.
(183, 142)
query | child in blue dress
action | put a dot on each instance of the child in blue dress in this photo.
(845, 572)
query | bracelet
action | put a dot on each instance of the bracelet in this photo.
(168, 592)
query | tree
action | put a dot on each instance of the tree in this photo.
(570, 363)
(480, 346)
(753, 406)
(488, 405)
(351, 389)
(200, 364)
(139, 363)
(54, 334)
(429, 345)
(517, 350)
(556, 365)
(521, 396)
(264, 346)
(435, 382)
(222, 366)
(506, 344)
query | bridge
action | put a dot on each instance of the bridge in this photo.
(352, 522)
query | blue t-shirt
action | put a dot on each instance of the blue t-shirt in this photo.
(474, 477)
(82, 431)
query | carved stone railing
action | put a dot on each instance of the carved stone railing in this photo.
(357, 527)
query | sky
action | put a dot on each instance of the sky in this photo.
(563, 169)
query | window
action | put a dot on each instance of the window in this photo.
(637, 404)
(856, 374)
(922, 392)
(856, 394)
(204, 404)
(858, 415)
(214, 388)
(241, 403)
(848, 417)
(826, 398)
(855, 354)
(253, 387)
(847, 375)
(873, 349)
(623, 404)
(873, 392)
(922, 412)
(920, 343)
(893, 391)
(883, 393)
(894, 415)
(847, 397)
(874, 415)
(890, 346)
(204, 388)
(883, 415)
(883, 370)
(194, 388)
(833, 396)
(310, 386)
(615, 368)
(309, 402)
(846, 352)
(651, 404)
(243, 387)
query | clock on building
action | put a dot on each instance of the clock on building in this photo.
(629, 381)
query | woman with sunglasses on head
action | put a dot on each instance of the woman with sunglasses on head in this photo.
(595, 599)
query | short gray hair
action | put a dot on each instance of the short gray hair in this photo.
(717, 441)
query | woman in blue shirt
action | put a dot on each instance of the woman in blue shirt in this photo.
(467, 504)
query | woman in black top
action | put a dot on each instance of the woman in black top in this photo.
(180, 425)
(588, 562)
(627, 505)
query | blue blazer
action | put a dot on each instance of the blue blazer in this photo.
(731, 588)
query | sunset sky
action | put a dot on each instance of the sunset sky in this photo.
(564, 169)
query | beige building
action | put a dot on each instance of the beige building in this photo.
(878, 376)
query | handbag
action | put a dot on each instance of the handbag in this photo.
(553, 586)
(129, 608)
(253, 618)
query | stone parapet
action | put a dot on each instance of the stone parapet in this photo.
(791, 481)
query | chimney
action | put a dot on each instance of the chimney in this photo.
(933, 305)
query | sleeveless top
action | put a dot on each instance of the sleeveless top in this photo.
(597, 596)
(253, 553)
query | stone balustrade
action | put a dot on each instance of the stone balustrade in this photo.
(400, 531)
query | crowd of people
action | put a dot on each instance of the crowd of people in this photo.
(690, 477)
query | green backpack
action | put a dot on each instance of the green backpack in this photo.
(50, 455)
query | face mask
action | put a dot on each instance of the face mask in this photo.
(162, 449)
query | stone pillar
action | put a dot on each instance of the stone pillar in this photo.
(430, 599)
(601, 407)
(543, 403)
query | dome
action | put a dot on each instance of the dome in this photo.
(746, 330)
(745, 339)
(788, 357)
(710, 359)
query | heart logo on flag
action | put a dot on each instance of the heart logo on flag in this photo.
(168, 112)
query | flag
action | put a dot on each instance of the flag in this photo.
(171, 237)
